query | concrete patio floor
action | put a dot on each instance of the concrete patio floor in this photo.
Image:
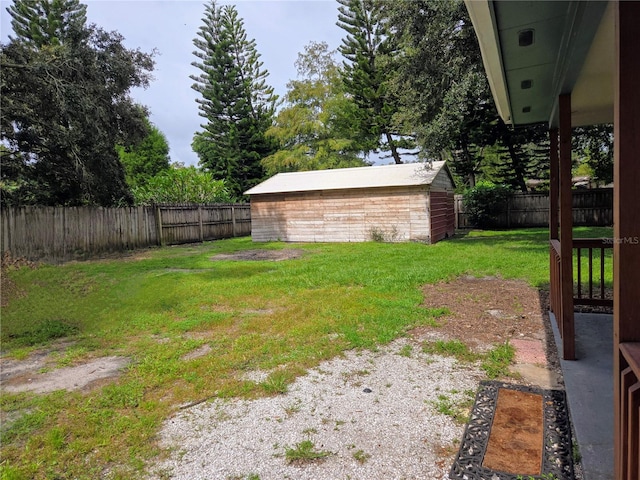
(589, 387)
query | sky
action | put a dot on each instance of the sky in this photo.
(281, 29)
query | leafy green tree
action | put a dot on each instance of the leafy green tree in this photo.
(442, 86)
(595, 145)
(180, 184)
(368, 49)
(65, 94)
(317, 129)
(145, 159)
(16, 179)
(436, 45)
(236, 101)
(440, 82)
(461, 129)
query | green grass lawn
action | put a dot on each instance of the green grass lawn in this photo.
(162, 304)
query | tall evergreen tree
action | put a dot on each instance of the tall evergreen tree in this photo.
(236, 101)
(65, 90)
(52, 22)
(368, 49)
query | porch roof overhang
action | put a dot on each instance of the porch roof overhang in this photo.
(534, 51)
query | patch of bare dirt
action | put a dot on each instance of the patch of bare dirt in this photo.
(490, 310)
(38, 372)
(268, 255)
(8, 289)
(135, 255)
(197, 353)
(485, 311)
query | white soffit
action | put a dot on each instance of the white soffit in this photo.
(534, 51)
(482, 18)
(592, 96)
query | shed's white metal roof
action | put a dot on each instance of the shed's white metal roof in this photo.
(406, 174)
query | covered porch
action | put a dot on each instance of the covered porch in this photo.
(567, 64)
(589, 386)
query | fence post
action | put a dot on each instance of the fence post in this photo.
(233, 220)
(8, 216)
(159, 225)
(64, 233)
(456, 213)
(200, 222)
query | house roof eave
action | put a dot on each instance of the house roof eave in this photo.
(526, 77)
(483, 19)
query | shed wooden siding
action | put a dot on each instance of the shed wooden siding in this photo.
(442, 221)
(441, 207)
(398, 213)
(442, 182)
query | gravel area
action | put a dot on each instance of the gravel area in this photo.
(372, 413)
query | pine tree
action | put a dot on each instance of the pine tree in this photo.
(368, 50)
(48, 22)
(236, 102)
(539, 153)
(446, 100)
(518, 155)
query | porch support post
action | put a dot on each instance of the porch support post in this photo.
(626, 212)
(554, 267)
(553, 184)
(566, 231)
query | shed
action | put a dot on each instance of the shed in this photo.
(406, 202)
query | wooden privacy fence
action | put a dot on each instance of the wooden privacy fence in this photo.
(590, 207)
(187, 223)
(56, 234)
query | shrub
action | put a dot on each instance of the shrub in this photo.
(182, 185)
(485, 202)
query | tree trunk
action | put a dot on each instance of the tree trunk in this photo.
(471, 174)
(471, 179)
(393, 148)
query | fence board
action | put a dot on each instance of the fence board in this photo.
(56, 234)
(590, 208)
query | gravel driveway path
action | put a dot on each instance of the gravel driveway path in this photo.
(373, 413)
